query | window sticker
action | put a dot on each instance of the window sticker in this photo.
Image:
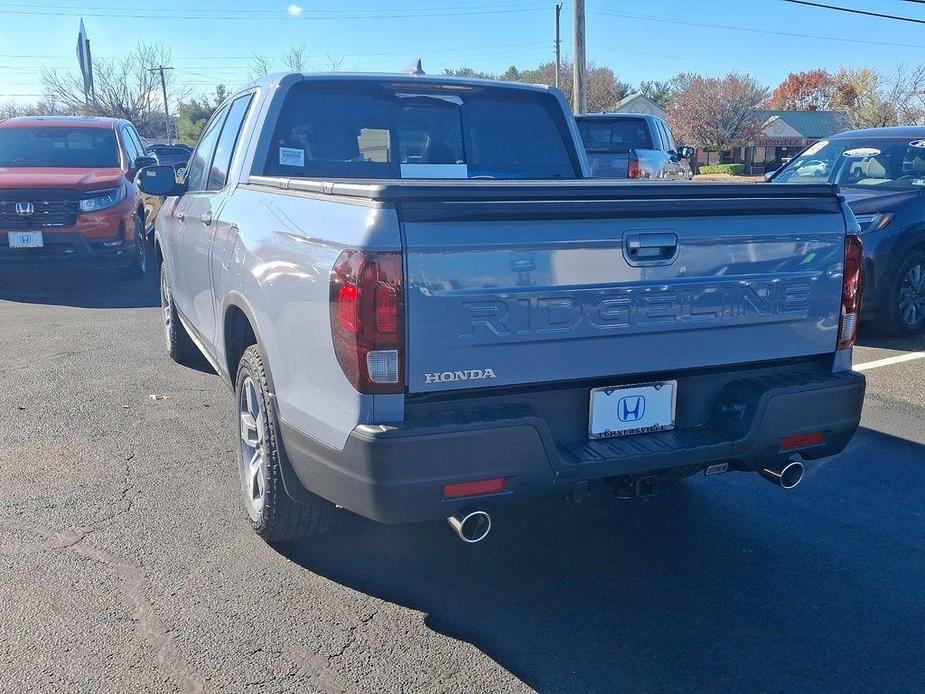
(861, 152)
(289, 156)
(815, 148)
(434, 171)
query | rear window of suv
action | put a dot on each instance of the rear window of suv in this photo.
(618, 135)
(376, 130)
(59, 147)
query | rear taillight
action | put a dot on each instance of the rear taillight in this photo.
(852, 289)
(633, 169)
(367, 319)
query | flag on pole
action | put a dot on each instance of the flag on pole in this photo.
(85, 61)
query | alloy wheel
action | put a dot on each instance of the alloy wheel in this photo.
(166, 308)
(912, 296)
(253, 449)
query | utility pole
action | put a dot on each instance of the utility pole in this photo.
(579, 95)
(558, 43)
(160, 69)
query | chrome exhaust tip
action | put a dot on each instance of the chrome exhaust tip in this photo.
(787, 476)
(471, 526)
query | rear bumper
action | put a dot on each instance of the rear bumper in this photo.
(396, 474)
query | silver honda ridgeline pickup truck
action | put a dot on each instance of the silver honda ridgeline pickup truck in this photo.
(426, 309)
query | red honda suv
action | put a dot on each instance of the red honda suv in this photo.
(67, 191)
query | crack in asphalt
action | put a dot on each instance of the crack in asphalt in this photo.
(132, 580)
(352, 634)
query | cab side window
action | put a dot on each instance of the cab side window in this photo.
(218, 173)
(201, 161)
(131, 149)
(669, 140)
(136, 138)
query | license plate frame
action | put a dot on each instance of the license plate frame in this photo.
(659, 401)
(25, 239)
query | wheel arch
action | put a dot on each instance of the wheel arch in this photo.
(240, 329)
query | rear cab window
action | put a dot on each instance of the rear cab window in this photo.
(387, 130)
(616, 135)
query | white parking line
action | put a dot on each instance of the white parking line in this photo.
(911, 356)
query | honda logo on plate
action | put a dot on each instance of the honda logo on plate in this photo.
(632, 408)
(24, 209)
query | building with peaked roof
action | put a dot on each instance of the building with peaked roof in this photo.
(640, 103)
(784, 134)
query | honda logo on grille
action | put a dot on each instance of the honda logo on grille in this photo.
(25, 209)
(632, 408)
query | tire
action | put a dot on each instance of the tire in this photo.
(179, 346)
(138, 266)
(272, 513)
(903, 311)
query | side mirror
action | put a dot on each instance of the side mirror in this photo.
(687, 152)
(159, 180)
(145, 160)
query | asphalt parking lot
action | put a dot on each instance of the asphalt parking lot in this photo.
(126, 564)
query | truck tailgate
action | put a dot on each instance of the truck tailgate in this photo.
(646, 279)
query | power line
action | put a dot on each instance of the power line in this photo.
(751, 30)
(276, 18)
(851, 10)
(281, 13)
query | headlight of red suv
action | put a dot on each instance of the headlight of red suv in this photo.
(101, 199)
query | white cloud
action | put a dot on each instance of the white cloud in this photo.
(295, 10)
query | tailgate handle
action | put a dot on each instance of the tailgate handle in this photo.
(647, 247)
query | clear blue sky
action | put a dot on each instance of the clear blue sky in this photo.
(640, 40)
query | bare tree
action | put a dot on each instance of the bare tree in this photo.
(260, 65)
(295, 58)
(333, 63)
(904, 91)
(124, 88)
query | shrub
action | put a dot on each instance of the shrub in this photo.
(731, 169)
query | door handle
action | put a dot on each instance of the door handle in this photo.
(206, 217)
(653, 247)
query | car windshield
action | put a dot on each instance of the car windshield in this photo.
(59, 147)
(377, 130)
(619, 135)
(889, 163)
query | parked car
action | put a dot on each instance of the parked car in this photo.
(882, 174)
(67, 192)
(425, 311)
(176, 156)
(633, 145)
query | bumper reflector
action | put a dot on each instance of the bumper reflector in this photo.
(459, 489)
(791, 443)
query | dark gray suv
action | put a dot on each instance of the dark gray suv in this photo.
(882, 174)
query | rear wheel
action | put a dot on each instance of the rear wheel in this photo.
(179, 346)
(273, 515)
(904, 307)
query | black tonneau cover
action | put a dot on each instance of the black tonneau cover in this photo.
(456, 199)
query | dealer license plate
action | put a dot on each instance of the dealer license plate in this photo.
(634, 409)
(25, 239)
